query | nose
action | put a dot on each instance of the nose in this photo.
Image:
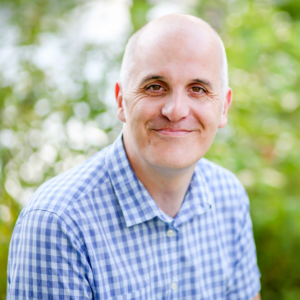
(176, 106)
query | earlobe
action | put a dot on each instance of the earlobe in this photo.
(227, 102)
(120, 104)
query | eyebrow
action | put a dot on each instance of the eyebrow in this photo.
(152, 77)
(158, 77)
(204, 82)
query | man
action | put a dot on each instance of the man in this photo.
(148, 217)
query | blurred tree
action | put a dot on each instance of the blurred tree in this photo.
(57, 70)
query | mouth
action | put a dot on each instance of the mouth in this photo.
(173, 132)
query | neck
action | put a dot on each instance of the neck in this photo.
(166, 186)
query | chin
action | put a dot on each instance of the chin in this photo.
(177, 159)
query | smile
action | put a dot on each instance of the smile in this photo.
(173, 132)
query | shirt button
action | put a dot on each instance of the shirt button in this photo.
(170, 233)
(173, 285)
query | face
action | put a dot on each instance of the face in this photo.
(173, 100)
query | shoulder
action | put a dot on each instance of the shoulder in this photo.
(215, 174)
(230, 205)
(59, 193)
(225, 187)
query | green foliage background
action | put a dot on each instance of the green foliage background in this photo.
(260, 143)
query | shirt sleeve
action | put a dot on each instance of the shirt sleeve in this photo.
(244, 282)
(46, 260)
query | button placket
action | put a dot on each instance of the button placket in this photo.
(171, 239)
(170, 233)
(173, 285)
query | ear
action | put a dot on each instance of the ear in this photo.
(227, 102)
(120, 102)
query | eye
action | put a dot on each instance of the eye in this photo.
(154, 87)
(197, 89)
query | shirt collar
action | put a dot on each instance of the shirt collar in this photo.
(198, 198)
(136, 203)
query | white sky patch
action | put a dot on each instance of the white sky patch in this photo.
(7, 138)
(75, 131)
(95, 136)
(273, 178)
(82, 110)
(4, 213)
(102, 27)
(49, 55)
(13, 187)
(96, 23)
(48, 153)
(53, 129)
(106, 119)
(94, 68)
(100, 22)
(290, 102)
(111, 77)
(80, 135)
(25, 195)
(35, 137)
(42, 107)
(165, 8)
(9, 58)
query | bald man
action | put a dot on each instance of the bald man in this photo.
(147, 217)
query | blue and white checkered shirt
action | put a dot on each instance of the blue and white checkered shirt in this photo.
(94, 232)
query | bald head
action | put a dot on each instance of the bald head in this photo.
(179, 29)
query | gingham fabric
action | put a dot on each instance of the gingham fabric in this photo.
(94, 232)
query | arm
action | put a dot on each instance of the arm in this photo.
(244, 278)
(46, 260)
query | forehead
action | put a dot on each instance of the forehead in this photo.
(183, 48)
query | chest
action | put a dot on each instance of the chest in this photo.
(155, 261)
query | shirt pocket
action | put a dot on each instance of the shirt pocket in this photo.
(145, 293)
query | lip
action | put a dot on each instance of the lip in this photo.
(173, 132)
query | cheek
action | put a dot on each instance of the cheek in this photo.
(142, 110)
(208, 113)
